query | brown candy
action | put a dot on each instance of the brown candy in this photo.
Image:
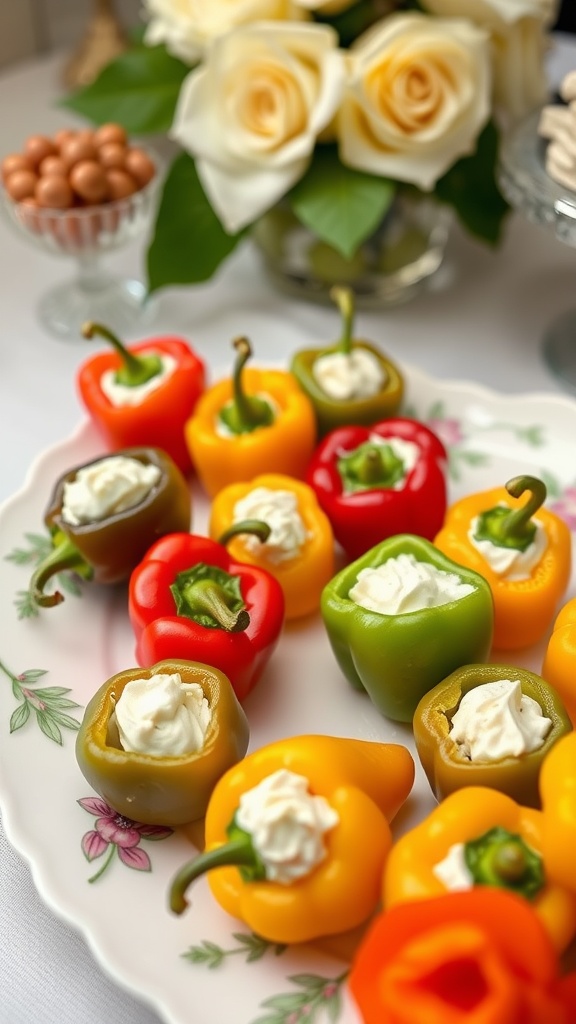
(53, 192)
(110, 133)
(139, 165)
(37, 147)
(21, 184)
(88, 179)
(120, 183)
(14, 162)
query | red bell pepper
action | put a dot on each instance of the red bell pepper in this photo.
(368, 490)
(188, 600)
(157, 416)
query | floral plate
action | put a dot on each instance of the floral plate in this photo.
(108, 876)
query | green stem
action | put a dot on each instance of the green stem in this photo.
(104, 865)
(513, 528)
(64, 556)
(244, 413)
(501, 858)
(255, 527)
(238, 852)
(344, 299)
(136, 370)
(205, 597)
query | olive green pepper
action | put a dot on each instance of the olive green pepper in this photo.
(162, 790)
(447, 769)
(108, 549)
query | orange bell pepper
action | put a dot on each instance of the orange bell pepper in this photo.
(465, 817)
(481, 957)
(558, 794)
(256, 421)
(301, 577)
(523, 608)
(365, 783)
(559, 668)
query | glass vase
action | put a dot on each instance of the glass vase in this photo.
(390, 267)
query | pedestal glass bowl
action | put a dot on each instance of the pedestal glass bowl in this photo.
(530, 190)
(85, 235)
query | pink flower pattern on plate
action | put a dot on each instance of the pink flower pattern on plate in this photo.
(113, 833)
(565, 507)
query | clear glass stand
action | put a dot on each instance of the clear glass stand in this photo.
(94, 294)
(530, 190)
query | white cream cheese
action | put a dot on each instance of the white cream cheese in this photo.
(121, 394)
(287, 825)
(510, 563)
(349, 375)
(279, 510)
(106, 487)
(452, 871)
(496, 720)
(403, 584)
(162, 716)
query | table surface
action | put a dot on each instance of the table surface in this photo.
(483, 321)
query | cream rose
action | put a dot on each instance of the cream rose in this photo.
(251, 114)
(418, 95)
(518, 35)
(187, 27)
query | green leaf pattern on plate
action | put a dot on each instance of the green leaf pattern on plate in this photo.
(49, 704)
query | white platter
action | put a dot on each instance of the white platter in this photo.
(123, 913)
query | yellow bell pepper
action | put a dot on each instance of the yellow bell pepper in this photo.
(523, 608)
(365, 783)
(558, 795)
(256, 421)
(303, 576)
(559, 668)
(475, 814)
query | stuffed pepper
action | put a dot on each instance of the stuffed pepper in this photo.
(105, 514)
(403, 617)
(189, 599)
(481, 957)
(558, 793)
(299, 547)
(489, 725)
(373, 482)
(283, 829)
(478, 836)
(144, 394)
(256, 421)
(154, 742)
(351, 382)
(559, 668)
(524, 551)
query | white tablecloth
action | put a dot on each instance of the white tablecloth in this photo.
(483, 321)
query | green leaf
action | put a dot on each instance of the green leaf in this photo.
(189, 242)
(69, 583)
(342, 206)
(20, 716)
(26, 605)
(66, 721)
(470, 187)
(139, 90)
(48, 726)
(31, 674)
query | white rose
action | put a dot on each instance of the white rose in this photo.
(417, 98)
(187, 27)
(251, 114)
(518, 35)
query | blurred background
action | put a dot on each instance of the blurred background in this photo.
(30, 27)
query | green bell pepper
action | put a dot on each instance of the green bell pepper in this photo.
(358, 411)
(398, 657)
(448, 770)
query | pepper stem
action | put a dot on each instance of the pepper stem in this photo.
(205, 597)
(245, 412)
(501, 858)
(255, 527)
(210, 596)
(344, 299)
(370, 466)
(237, 852)
(513, 528)
(136, 370)
(64, 556)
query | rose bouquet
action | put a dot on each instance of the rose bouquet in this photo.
(332, 107)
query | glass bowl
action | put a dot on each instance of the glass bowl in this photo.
(85, 235)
